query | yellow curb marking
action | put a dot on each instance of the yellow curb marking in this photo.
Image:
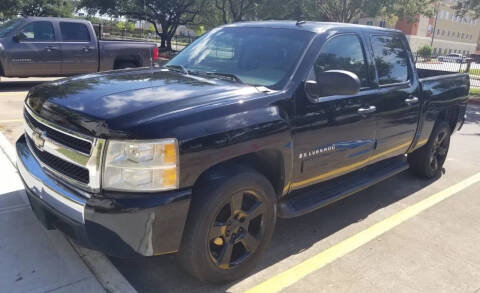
(298, 272)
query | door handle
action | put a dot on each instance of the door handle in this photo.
(51, 48)
(87, 48)
(411, 100)
(369, 110)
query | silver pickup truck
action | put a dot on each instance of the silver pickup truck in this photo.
(47, 46)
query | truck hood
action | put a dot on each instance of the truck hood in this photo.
(116, 101)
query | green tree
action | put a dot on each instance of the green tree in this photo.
(8, 9)
(468, 7)
(425, 52)
(348, 10)
(57, 8)
(164, 15)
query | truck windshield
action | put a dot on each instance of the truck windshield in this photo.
(252, 55)
(9, 26)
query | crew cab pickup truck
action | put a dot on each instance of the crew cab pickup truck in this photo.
(44, 46)
(251, 122)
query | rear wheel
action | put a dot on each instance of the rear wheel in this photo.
(229, 226)
(428, 161)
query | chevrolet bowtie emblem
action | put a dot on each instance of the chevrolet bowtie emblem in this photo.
(38, 138)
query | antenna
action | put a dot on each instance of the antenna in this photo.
(300, 19)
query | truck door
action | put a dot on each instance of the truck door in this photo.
(398, 105)
(79, 48)
(37, 53)
(334, 135)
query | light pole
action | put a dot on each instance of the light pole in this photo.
(435, 13)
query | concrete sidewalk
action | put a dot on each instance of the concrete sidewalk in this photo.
(33, 259)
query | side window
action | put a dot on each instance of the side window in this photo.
(343, 52)
(39, 31)
(391, 59)
(74, 32)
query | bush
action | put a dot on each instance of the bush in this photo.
(425, 52)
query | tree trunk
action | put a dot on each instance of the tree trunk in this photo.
(162, 41)
(169, 43)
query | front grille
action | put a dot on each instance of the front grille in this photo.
(63, 167)
(67, 140)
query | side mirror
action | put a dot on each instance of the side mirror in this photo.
(333, 82)
(19, 37)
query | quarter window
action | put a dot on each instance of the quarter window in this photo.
(74, 32)
(343, 52)
(391, 59)
(39, 31)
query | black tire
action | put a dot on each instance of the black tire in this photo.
(220, 246)
(125, 65)
(427, 162)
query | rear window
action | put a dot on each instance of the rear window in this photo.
(74, 32)
(391, 59)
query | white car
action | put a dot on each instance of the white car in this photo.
(453, 57)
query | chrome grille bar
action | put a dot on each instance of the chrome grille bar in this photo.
(91, 162)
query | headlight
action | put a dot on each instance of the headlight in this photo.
(141, 165)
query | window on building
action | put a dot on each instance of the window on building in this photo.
(443, 32)
(463, 35)
(447, 51)
(447, 15)
(458, 35)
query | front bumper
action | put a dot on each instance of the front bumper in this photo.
(123, 226)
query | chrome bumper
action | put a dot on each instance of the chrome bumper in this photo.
(63, 199)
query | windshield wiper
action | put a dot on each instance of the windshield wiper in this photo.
(228, 76)
(180, 68)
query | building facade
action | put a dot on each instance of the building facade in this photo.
(447, 33)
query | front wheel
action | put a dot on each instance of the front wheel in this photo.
(427, 162)
(230, 224)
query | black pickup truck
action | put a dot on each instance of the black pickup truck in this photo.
(251, 122)
(49, 46)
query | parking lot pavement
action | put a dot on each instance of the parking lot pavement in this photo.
(33, 259)
(434, 251)
(12, 94)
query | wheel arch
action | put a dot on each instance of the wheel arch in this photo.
(451, 115)
(135, 59)
(268, 162)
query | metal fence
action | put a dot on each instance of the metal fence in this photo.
(107, 32)
(452, 64)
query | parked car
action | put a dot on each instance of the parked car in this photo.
(46, 46)
(453, 57)
(253, 121)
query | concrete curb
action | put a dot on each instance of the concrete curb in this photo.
(7, 149)
(110, 278)
(103, 270)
